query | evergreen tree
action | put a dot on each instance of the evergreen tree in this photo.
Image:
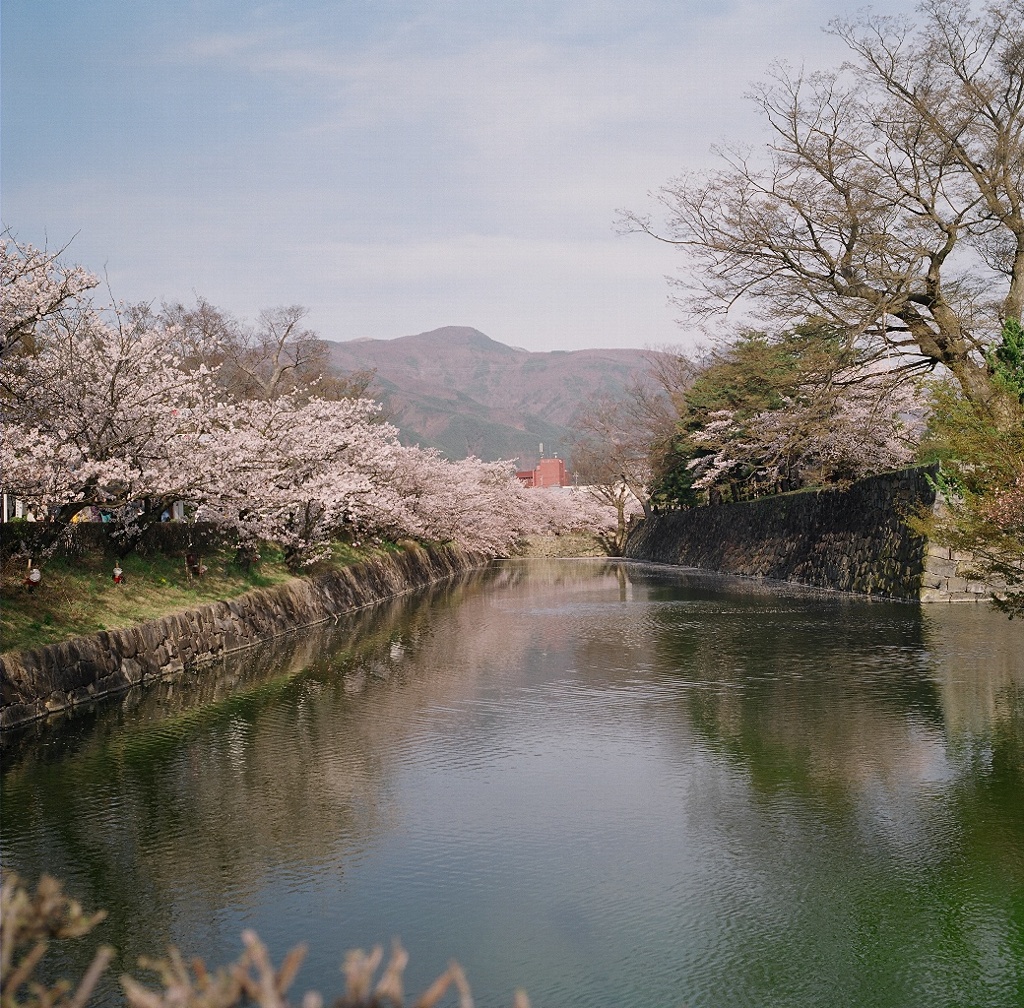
(1006, 362)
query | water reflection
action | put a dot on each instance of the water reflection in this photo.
(882, 744)
(206, 783)
(608, 782)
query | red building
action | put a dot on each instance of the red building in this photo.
(550, 472)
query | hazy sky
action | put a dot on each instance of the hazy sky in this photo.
(395, 166)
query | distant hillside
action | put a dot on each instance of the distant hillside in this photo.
(466, 394)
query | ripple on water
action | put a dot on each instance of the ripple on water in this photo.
(640, 790)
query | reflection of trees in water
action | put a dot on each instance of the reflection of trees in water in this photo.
(806, 690)
(280, 757)
(207, 783)
(884, 844)
(868, 705)
(978, 660)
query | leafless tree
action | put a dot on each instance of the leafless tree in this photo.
(276, 355)
(614, 439)
(891, 200)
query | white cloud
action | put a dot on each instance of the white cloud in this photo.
(541, 294)
(460, 166)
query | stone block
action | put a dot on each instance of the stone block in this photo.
(943, 568)
(58, 700)
(233, 641)
(113, 683)
(123, 642)
(132, 642)
(131, 670)
(151, 634)
(20, 713)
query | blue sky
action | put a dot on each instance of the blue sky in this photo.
(394, 166)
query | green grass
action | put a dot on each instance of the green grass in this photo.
(79, 596)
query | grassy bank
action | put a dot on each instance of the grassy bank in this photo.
(79, 596)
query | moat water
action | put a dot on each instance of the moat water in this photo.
(608, 784)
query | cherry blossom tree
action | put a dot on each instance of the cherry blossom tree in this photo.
(299, 473)
(126, 411)
(556, 511)
(607, 510)
(819, 437)
(34, 286)
(101, 416)
(479, 505)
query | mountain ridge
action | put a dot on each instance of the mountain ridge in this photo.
(456, 389)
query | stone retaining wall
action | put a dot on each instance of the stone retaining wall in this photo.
(853, 540)
(948, 576)
(37, 682)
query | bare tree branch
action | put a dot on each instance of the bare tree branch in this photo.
(890, 199)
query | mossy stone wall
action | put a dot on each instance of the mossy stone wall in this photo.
(853, 540)
(42, 680)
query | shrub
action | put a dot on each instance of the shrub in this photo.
(30, 920)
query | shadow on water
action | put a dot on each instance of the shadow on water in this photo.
(819, 691)
(978, 664)
(799, 685)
